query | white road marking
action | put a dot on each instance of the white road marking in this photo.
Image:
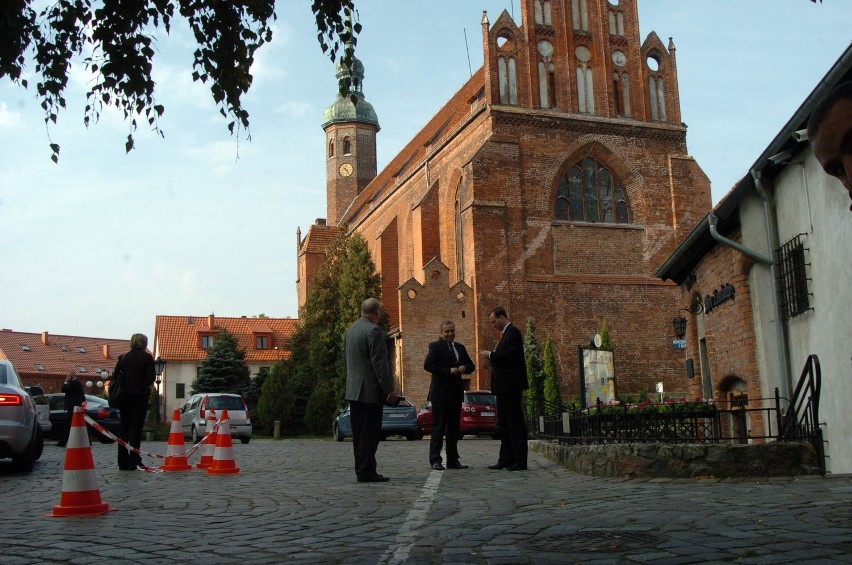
(398, 552)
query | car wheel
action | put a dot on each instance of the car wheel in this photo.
(337, 435)
(39, 443)
(195, 437)
(26, 460)
(245, 439)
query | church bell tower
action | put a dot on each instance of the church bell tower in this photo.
(350, 144)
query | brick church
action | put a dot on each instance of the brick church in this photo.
(554, 183)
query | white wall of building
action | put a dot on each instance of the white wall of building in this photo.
(812, 203)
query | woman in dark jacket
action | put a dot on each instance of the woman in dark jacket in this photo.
(138, 368)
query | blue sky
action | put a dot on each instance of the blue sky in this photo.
(203, 222)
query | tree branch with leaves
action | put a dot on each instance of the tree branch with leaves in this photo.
(115, 41)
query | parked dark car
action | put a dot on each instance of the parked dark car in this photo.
(478, 415)
(397, 420)
(97, 408)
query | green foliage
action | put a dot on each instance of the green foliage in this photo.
(681, 406)
(346, 279)
(604, 331)
(321, 408)
(153, 417)
(116, 42)
(224, 369)
(552, 393)
(534, 395)
(276, 401)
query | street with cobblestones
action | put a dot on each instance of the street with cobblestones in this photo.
(298, 501)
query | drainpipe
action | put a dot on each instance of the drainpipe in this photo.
(713, 220)
(772, 243)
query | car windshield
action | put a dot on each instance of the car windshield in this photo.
(225, 402)
(480, 399)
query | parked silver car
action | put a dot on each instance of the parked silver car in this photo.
(194, 414)
(43, 409)
(21, 438)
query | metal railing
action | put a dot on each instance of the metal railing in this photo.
(737, 420)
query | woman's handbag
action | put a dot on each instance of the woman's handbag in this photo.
(117, 392)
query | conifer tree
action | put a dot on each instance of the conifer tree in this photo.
(276, 400)
(224, 369)
(534, 395)
(315, 369)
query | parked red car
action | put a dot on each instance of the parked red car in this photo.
(478, 415)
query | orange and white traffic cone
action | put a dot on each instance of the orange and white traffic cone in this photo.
(209, 446)
(176, 449)
(223, 457)
(80, 494)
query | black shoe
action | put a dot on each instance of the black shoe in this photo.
(456, 465)
(373, 479)
(437, 467)
(497, 467)
(518, 468)
(61, 444)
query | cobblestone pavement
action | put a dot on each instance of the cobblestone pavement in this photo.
(298, 501)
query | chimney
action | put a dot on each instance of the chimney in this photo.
(105, 348)
(44, 338)
(211, 320)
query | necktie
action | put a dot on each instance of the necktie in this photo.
(454, 352)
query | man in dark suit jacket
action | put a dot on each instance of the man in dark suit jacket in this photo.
(447, 360)
(74, 396)
(508, 382)
(369, 385)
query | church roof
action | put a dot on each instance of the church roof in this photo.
(318, 239)
(461, 106)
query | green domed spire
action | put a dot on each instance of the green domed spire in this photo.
(343, 110)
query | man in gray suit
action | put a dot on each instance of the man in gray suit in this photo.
(369, 385)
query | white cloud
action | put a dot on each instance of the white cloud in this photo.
(8, 118)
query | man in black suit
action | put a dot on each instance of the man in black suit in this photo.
(369, 384)
(508, 382)
(447, 360)
(74, 396)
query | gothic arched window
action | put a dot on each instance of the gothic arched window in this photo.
(459, 233)
(347, 145)
(507, 80)
(590, 193)
(580, 15)
(331, 148)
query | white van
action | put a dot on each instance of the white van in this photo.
(194, 414)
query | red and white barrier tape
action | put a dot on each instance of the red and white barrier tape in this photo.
(189, 452)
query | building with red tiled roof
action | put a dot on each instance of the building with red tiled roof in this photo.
(553, 182)
(44, 359)
(182, 342)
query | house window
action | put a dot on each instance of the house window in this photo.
(207, 341)
(39, 367)
(63, 347)
(347, 146)
(261, 342)
(81, 350)
(180, 390)
(331, 148)
(793, 294)
(81, 369)
(590, 193)
(25, 347)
